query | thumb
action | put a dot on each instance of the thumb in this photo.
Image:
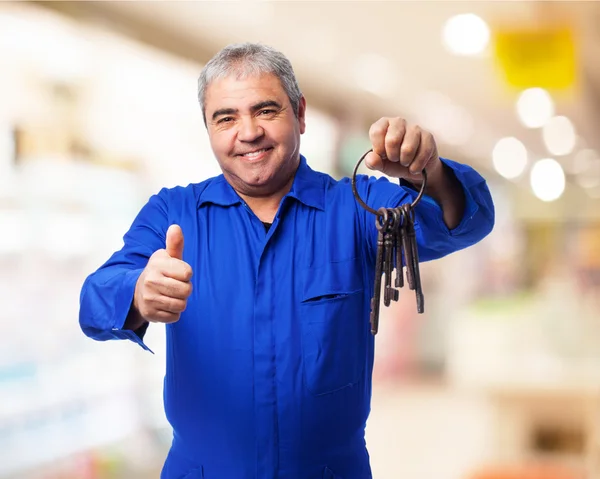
(389, 168)
(374, 162)
(175, 242)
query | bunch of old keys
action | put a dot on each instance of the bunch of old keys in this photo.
(396, 240)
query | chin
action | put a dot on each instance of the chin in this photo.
(258, 182)
(257, 173)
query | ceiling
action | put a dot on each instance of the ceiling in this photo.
(396, 45)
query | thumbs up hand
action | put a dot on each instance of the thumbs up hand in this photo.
(164, 286)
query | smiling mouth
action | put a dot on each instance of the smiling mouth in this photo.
(254, 154)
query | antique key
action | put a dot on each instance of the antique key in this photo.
(381, 223)
(415, 260)
(407, 247)
(398, 219)
(396, 239)
(389, 293)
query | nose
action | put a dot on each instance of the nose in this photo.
(250, 130)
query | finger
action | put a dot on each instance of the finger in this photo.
(426, 152)
(394, 138)
(164, 317)
(176, 269)
(174, 242)
(161, 302)
(410, 145)
(174, 289)
(377, 134)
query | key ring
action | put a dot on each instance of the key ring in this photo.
(367, 207)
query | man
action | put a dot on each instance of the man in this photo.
(266, 305)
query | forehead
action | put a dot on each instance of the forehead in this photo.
(235, 92)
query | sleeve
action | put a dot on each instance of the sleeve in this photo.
(107, 294)
(435, 240)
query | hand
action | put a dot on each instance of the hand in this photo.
(164, 286)
(401, 150)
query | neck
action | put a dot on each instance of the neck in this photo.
(265, 207)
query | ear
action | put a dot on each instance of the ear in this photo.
(302, 114)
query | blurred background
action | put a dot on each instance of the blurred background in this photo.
(500, 378)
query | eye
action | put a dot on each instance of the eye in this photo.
(225, 119)
(267, 112)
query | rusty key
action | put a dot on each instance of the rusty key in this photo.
(398, 233)
(381, 222)
(388, 265)
(415, 262)
(406, 247)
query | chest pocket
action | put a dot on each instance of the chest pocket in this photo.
(334, 325)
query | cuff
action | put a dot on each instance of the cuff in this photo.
(126, 293)
(467, 177)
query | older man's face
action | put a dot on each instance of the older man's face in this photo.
(254, 132)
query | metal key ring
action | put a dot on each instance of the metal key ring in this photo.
(367, 207)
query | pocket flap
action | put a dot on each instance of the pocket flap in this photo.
(332, 280)
(197, 473)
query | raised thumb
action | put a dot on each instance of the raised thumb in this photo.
(175, 242)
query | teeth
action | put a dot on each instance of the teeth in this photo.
(254, 153)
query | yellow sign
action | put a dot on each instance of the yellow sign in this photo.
(543, 58)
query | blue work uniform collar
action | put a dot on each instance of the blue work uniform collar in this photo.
(308, 188)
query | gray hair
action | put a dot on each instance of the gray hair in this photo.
(249, 59)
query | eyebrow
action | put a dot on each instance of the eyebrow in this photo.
(265, 104)
(253, 108)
